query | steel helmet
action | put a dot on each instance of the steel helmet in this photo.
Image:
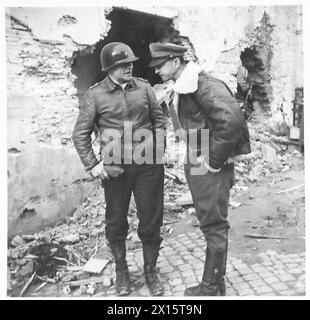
(116, 53)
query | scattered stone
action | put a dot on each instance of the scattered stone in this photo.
(71, 238)
(21, 262)
(66, 290)
(297, 154)
(46, 237)
(185, 200)
(91, 288)
(234, 204)
(68, 278)
(171, 205)
(17, 241)
(97, 232)
(82, 289)
(88, 281)
(106, 282)
(18, 252)
(26, 270)
(28, 238)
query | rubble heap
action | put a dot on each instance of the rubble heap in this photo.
(62, 254)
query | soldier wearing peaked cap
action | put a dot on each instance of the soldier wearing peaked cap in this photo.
(163, 52)
(200, 102)
(121, 98)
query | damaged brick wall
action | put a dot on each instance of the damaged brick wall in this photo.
(40, 71)
(46, 181)
(287, 62)
(40, 46)
(221, 34)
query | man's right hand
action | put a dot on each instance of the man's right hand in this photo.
(105, 172)
(98, 171)
(113, 171)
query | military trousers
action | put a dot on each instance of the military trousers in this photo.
(146, 183)
(210, 194)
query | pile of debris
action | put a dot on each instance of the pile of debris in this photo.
(74, 254)
(270, 154)
(65, 254)
(73, 251)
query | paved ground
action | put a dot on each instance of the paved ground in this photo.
(181, 264)
(268, 267)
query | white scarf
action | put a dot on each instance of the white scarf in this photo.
(188, 80)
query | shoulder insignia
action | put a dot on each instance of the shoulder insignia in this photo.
(141, 79)
(94, 85)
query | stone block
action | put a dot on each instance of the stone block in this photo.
(271, 280)
(46, 184)
(279, 286)
(263, 289)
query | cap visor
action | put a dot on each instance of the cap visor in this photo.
(158, 62)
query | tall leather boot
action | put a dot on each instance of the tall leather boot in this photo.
(122, 282)
(212, 279)
(150, 255)
(222, 285)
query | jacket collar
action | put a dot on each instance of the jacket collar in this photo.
(188, 80)
(111, 85)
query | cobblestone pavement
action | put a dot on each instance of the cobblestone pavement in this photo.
(181, 263)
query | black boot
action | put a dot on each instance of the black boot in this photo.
(122, 282)
(222, 285)
(213, 283)
(150, 255)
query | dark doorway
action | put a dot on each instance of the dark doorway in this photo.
(257, 62)
(256, 59)
(136, 29)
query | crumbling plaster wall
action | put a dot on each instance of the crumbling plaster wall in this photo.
(39, 53)
(287, 62)
(46, 180)
(89, 24)
(220, 34)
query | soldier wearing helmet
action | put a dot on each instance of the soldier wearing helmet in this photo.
(118, 100)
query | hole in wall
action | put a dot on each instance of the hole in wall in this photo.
(136, 29)
(14, 150)
(254, 76)
(27, 213)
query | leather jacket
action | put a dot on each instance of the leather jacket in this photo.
(106, 105)
(211, 105)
